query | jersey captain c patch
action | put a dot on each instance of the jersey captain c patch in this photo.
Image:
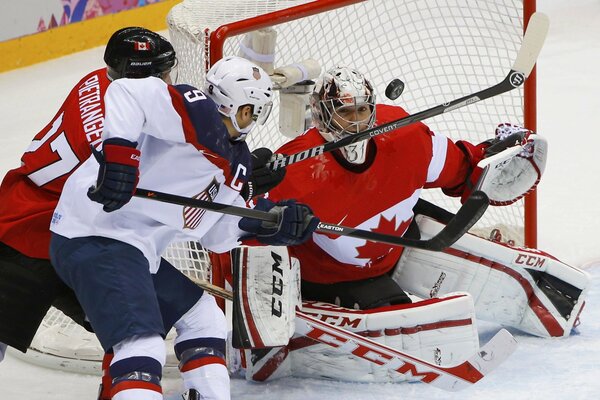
(193, 215)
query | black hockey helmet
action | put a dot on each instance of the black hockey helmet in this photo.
(136, 52)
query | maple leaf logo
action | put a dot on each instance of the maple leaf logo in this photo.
(375, 250)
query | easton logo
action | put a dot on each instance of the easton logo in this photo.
(277, 286)
(517, 79)
(330, 227)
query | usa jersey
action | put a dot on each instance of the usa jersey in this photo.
(29, 194)
(377, 196)
(185, 150)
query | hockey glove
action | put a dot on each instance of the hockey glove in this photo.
(508, 135)
(262, 178)
(295, 223)
(118, 174)
(513, 164)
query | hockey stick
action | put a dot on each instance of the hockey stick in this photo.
(465, 218)
(526, 58)
(452, 378)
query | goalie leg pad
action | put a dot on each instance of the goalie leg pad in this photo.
(518, 287)
(266, 292)
(440, 331)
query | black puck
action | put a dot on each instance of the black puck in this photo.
(394, 89)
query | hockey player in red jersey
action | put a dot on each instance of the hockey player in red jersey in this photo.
(375, 185)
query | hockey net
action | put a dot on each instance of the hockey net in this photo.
(442, 50)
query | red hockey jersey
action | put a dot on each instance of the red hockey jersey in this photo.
(29, 194)
(379, 198)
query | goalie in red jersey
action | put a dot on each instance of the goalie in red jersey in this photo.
(375, 185)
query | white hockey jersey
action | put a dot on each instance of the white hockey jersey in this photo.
(185, 150)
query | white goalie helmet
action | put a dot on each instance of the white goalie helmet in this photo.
(234, 82)
(342, 104)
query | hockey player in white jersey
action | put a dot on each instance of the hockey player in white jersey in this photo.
(185, 141)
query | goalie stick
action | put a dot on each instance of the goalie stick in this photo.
(451, 378)
(465, 218)
(526, 58)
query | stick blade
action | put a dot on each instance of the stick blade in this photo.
(479, 365)
(536, 32)
(494, 352)
(467, 216)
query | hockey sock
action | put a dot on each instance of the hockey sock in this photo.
(136, 378)
(105, 386)
(202, 366)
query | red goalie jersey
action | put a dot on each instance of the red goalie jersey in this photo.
(29, 194)
(378, 195)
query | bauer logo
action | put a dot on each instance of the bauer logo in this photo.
(517, 79)
(140, 63)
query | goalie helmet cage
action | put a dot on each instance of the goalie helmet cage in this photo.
(441, 50)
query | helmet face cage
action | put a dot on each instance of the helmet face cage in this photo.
(234, 82)
(338, 94)
(136, 52)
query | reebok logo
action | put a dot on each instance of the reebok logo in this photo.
(135, 157)
(436, 287)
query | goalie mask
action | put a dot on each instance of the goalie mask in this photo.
(136, 52)
(343, 103)
(234, 82)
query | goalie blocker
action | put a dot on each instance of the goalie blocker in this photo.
(518, 287)
(265, 295)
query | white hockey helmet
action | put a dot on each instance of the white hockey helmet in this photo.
(343, 88)
(234, 82)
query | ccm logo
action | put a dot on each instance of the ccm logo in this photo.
(530, 260)
(277, 286)
(338, 320)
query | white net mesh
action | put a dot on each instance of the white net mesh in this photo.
(442, 50)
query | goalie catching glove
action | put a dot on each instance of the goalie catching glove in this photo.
(295, 223)
(513, 164)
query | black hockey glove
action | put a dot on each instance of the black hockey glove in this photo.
(295, 223)
(262, 178)
(118, 174)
